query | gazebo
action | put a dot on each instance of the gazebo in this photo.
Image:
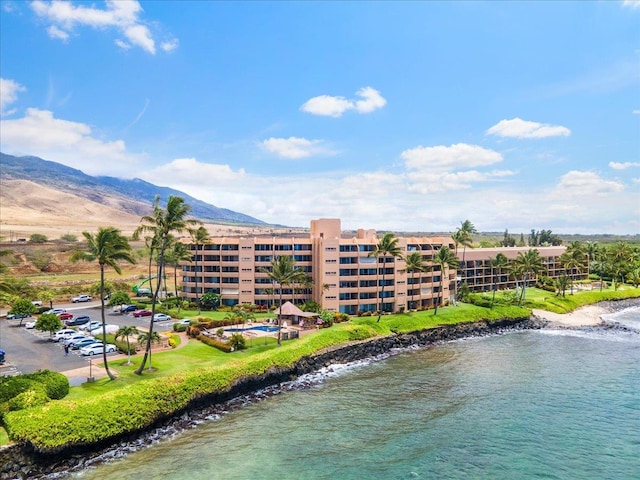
(295, 316)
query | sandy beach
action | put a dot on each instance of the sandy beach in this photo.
(582, 317)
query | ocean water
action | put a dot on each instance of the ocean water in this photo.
(550, 404)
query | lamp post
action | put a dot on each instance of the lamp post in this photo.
(90, 378)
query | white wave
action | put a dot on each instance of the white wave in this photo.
(594, 333)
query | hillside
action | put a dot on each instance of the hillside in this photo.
(128, 196)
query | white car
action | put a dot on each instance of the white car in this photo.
(90, 326)
(81, 298)
(61, 334)
(161, 317)
(56, 311)
(37, 303)
(30, 325)
(97, 349)
(72, 338)
(97, 329)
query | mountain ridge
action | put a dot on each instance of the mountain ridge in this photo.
(131, 196)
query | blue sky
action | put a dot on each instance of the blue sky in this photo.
(405, 116)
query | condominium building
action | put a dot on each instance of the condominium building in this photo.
(344, 275)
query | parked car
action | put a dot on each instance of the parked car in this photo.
(30, 325)
(72, 338)
(65, 316)
(37, 303)
(17, 316)
(97, 329)
(161, 317)
(61, 334)
(142, 313)
(85, 342)
(97, 349)
(184, 321)
(90, 326)
(56, 311)
(81, 298)
(128, 308)
(78, 321)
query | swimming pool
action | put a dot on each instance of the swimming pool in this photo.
(261, 328)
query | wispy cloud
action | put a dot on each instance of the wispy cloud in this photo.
(9, 90)
(631, 3)
(581, 183)
(441, 157)
(294, 147)
(331, 106)
(624, 165)
(122, 15)
(518, 128)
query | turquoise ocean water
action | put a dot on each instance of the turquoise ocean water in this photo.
(550, 404)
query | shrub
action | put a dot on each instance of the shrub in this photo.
(35, 397)
(237, 341)
(214, 342)
(180, 327)
(38, 238)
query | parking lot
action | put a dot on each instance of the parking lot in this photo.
(29, 350)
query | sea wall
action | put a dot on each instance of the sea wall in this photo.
(22, 462)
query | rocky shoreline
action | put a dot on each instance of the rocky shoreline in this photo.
(21, 462)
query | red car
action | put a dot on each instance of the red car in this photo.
(142, 313)
(65, 316)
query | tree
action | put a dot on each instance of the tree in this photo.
(283, 272)
(528, 264)
(23, 307)
(108, 247)
(499, 263)
(48, 322)
(573, 259)
(147, 339)
(444, 258)
(210, 300)
(179, 253)
(161, 224)
(47, 295)
(119, 298)
(387, 246)
(561, 284)
(618, 257)
(38, 238)
(237, 341)
(125, 332)
(415, 264)
(463, 236)
(199, 236)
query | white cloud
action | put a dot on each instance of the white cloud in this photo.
(440, 157)
(623, 165)
(170, 45)
(294, 147)
(519, 128)
(55, 32)
(331, 106)
(39, 133)
(583, 183)
(631, 3)
(9, 90)
(636, 112)
(372, 100)
(123, 15)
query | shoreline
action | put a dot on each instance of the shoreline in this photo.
(587, 316)
(23, 462)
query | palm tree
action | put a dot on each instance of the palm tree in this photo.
(199, 236)
(499, 263)
(529, 264)
(148, 338)
(463, 236)
(619, 256)
(561, 284)
(178, 253)
(415, 263)
(573, 259)
(444, 258)
(161, 224)
(108, 246)
(387, 246)
(125, 332)
(283, 272)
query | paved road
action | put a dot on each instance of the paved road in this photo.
(31, 350)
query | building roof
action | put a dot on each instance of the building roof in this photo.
(290, 309)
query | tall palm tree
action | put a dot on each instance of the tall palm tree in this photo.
(498, 263)
(574, 259)
(178, 253)
(148, 338)
(415, 264)
(444, 258)
(199, 236)
(283, 272)
(125, 332)
(529, 264)
(387, 246)
(161, 224)
(463, 236)
(618, 257)
(108, 246)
